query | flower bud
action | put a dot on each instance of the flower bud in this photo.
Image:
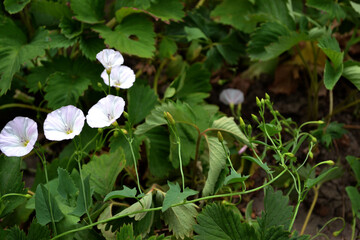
(170, 118)
(258, 103)
(115, 124)
(311, 155)
(126, 115)
(242, 123)
(39, 85)
(249, 129)
(99, 84)
(100, 130)
(255, 118)
(329, 162)
(124, 131)
(220, 137)
(116, 133)
(267, 96)
(313, 139)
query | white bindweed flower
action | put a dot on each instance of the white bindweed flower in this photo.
(231, 96)
(105, 111)
(120, 77)
(18, 137)
(110, 58)
(64, 123)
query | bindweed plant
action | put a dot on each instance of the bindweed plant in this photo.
(80, 201)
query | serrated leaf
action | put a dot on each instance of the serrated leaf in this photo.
(181, 220)
(217, 222)
(64, 89)
(157, 151)
(227, 124)
(127, 233)
(330, 47)
(167, 10)
(84, 200)
(125, 193)
(66, 188)
(146, 202)
(70, 28)
(133, 36)
(217, 162)
(90, 46)
(235, 13)
(235, 177)
(38, 232)
(37, 76)
(15, 6)
(88, 11)
(110, 164)
(332, 75)
(15, 50)
(174, 195)
(231, 48)
(11, 182)
(167, 47)
(331, 7)
(48, 13)
(15, 234)
(141, 100)
(351, 72)
(179, 111)
(354, 163)
(277, 210)
(42, 207)
(354, 196)
(106, 232)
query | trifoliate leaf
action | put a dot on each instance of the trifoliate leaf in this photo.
(84, 200)
(141, 100)
(181, 220)
(15, 6)
(42, 207)
(133, 36)
(110, 164)
(217, 222)
(88, 11)
(235, 177)
(174, 195)
(11, 182)
(217, 162)
(145, 204)
(277, 210)
(125, 193)
(167, 10)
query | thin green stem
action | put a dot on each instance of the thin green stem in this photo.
(157, 75)
(109, 82)
(43, 161)
(227, 156)
(83, 191)
(135, 165)
(20, 105)
(174, 205)
(353, 226)
(15, 195)
(181, 166)
(331, 105)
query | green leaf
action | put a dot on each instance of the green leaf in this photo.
(167, 47)
(70, 28)
(42, 207)
(258, 162)
(311, 182)
(37, 76)
(355, 6)
(121, 142)
(217, 161)
(354, 196)
(235, 177)
(11, 182)
(15, 50)
(332, 75)
(180, 112)
(193, 33)
(167, 10)
(125, 193)
(228, 125)
(181, 220)
(66, 188)
(277, 210)
(333, 8)
(196, 79)
(354, 163)
(217, 222)
(48, 13)
(141, 100)
(352, 72)
(174, 195)
(330, 47)
(15, 6)
(127, 233)
(103, 170)
(72, 87)
(90, 45)
(235, 13)
(38, 232)
(88, 11)
(157, 151)
(83, 202)
(146, 202)
(231, 48)
(133, 36)
(15, 234)
(272, 39)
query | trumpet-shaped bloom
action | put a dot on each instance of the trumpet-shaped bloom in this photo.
(120, 77)
(105, 111)
(64, 123)
(231, 96)
(110, 58)
(18, 137)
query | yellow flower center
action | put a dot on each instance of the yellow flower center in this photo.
(69, 131)
(25, 142)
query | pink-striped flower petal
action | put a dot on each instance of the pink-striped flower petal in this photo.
(110, 58)
(120, 77)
